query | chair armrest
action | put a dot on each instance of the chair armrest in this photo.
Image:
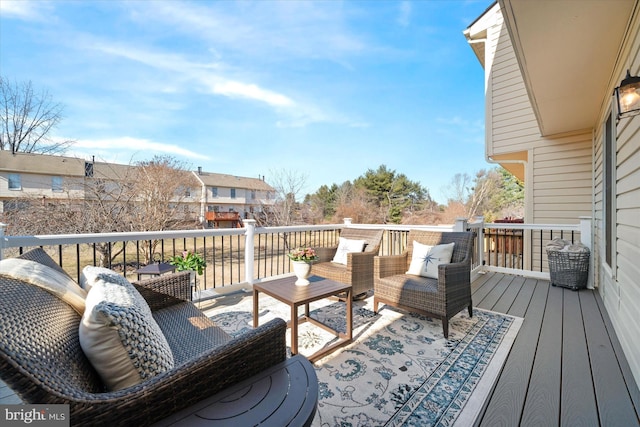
(359, 260)
(452, 275)
(326, 254)
(389, 265)
(187, 384)
(166, 290)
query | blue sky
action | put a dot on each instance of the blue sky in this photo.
(323, 89)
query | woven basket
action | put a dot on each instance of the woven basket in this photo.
(568, 269)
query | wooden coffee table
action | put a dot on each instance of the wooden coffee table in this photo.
(286, 291)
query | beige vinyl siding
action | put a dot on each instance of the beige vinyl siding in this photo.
(513, 123)
(623, 310)
(620, 287)
(562, 167)
(561, 179)
(36, 186)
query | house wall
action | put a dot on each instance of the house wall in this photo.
(619, 286)
(557, 170)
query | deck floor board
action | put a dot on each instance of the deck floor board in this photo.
(506, 405)
(614, 403)
(566, 366)
(579, 406)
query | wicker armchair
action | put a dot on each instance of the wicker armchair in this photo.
(359, 269)
(42, 361)
(442, 298)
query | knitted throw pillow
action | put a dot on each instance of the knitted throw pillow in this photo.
(119, 335)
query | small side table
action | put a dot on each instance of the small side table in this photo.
(156, 269)
(284, 395)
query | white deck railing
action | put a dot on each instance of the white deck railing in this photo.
(243, 256)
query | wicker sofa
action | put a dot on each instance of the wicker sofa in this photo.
(358, 271)
(42, 361)
(443, 297)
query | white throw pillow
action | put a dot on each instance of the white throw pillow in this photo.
(47, 278)
(344, 247)
(426, 259)
(119, 335)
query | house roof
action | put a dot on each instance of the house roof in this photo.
(232, 181)
(476, 32)
(567, 51)
(72, 166)
(41, 164)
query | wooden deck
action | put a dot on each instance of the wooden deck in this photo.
(566, 367)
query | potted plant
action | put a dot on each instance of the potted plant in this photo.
(301, 259)
(192, 261)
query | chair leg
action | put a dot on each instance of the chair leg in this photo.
(375, 305)
(445, 327)
(470, 310)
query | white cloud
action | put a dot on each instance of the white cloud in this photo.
(26, 10)
(135, 145)
(243, 90)
(201, 72)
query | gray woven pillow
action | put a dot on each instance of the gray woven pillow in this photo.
(119, 335)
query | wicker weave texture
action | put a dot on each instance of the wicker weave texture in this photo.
(359, 269)
(443, 297)
(42, 361)
(568, 269)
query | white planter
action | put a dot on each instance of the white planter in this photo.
(302, 270)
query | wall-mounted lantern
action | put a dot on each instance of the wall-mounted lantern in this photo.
(628, 96)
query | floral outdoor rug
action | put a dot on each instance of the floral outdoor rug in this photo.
(400, 370)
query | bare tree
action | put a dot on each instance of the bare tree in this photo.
(27, 118)
(490, 193)
(154, 198)
(288, 185)
(459, 189)
(285, 211)
(486, 184)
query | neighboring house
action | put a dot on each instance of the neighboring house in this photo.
(25, 175)
(50, 178)
(551, 119)
(227, 199)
